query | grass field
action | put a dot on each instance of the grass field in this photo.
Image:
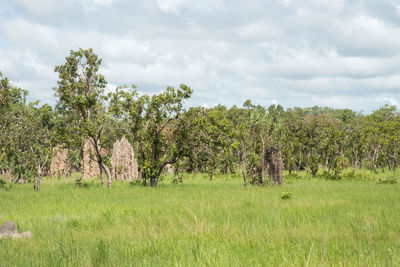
(203, 223)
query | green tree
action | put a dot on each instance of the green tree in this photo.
(81, 101)
(39, 138)
(267, 128)
(155, 123)
(12, 104)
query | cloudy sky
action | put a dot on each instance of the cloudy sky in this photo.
(336, 53)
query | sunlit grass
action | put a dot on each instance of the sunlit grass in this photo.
(198, 222)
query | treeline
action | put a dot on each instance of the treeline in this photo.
(251, 140)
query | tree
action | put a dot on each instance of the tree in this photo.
(211, 138)
(155, 124)
(41, 127)
(267, 126)
(12, 104)
(81, 100)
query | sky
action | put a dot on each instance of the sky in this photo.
(335, 53)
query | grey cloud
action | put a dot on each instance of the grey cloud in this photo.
(296, 53)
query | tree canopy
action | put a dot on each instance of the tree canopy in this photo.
(163, 131)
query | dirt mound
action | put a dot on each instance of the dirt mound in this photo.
(169, 169)
(123, 161)
(59, 162)
(90, 167)
(273, 159)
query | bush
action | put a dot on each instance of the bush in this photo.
(356, 176)
(82, 183)
(313, 165)
(390, 180)
(178, 178)
(3, 185)
(286, 195)
(330, 176)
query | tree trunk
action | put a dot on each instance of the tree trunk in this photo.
(153, 181)
(38, 179)
(101, 175)
(375, 159)
(102, 166)
(38, 183)
(144, 180)
(108, 173)
(394, 162)
(327, 165)
(355, 164)
(263, 170)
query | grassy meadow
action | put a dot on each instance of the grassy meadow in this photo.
(203, 223)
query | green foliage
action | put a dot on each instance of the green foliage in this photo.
(81, 103)
(178, 178)
(155, 125)
(100, 253)
(360, 176)
(82, 183)
(4, 186)
(387, 180)
(286, 195)
(313, 165)
(212, 140)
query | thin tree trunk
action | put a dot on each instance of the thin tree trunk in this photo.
(38, 183)
(375, 159)
(102, 165)
(263, 173)
(355, 164)
(144, 182)
(327, 165)
(38, 179)
(101, 175)
(108, 173)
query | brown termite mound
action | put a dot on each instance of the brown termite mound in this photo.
(123, 161)
(169, 169)
(90, 167)
(59, 162)
(274, 165)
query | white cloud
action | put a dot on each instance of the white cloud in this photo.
(306, 52)
(388, 100)
(170, 6)
(396, 4)
(93, 4)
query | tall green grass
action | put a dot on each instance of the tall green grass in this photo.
(203, 223)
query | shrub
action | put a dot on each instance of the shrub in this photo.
(82, 183)
(390, 180)
(286, 195)
(3, 185)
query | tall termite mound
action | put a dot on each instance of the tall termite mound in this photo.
(123, 161)
(90, 167)
(274, 165)
(59, 162)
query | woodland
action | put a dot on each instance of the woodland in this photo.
(255, 141)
